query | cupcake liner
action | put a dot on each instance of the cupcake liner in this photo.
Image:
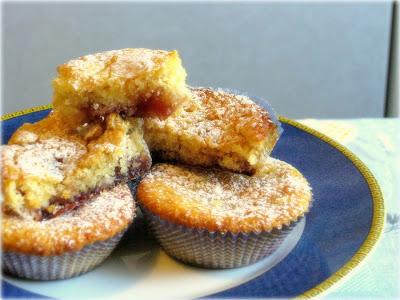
(215, 250)
(62, 266)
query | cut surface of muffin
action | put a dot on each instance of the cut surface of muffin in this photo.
(223, 201)
(214, 128)
(134, 82)
(49, 168)
(100, 218)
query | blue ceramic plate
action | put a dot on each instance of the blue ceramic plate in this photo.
(341, 229)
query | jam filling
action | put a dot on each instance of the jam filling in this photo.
(138, 168)
(153, 105)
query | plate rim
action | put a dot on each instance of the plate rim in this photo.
(378, 212)
(378, 219)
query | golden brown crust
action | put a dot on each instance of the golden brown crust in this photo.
(99, 219)
(49, 161)
(140, 82)
(222, 201)
(216, 128)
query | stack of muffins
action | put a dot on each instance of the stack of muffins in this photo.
(215, 198)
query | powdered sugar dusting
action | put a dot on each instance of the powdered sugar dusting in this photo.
(100, 218)
(27, 137)
(217, 117)
(124, 63)
(49, 158)
(278, 195)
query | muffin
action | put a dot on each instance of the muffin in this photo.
(49, 167)
(219, 219)
(135, 82)
(215, 128)
(71, 243)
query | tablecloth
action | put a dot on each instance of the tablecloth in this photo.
(377, 143)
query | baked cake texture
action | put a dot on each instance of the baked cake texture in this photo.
(222, 201)
(135, 82)
(214, 128)
(100, 218)
(50, 168)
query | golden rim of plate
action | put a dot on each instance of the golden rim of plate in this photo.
(377, 200)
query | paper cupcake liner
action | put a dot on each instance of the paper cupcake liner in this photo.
(63, 266)
(214, 250)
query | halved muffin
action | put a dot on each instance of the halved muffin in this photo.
(134, 82)
(215, 128)
(219, 219)
(49, 167)
(69, 244)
